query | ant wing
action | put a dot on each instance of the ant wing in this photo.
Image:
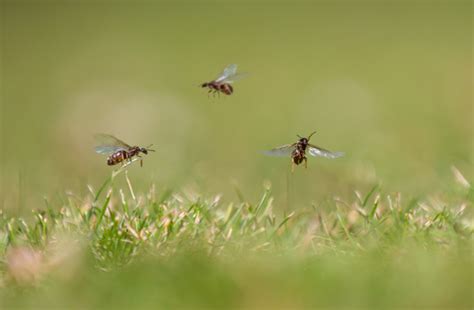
(229, 71)
(105, 139)
(284, 150)
(107, 150)
(109, 144)
(234, 77)
(317, 151)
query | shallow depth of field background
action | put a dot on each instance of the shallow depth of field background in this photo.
(389, 84)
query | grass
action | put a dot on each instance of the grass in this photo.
(115, 247)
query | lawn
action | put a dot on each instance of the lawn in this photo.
(116, 247)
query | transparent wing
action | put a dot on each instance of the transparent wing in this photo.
(105, 139)
(228, 72)
(317, 151)
(234, 77)
(109, 144)
(107, 150)
(284, 150)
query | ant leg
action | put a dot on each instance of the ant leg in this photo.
(292, 167)
(141, 160)
(305, 163)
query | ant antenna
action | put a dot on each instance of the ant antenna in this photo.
(311, 135)
(148, 148)
(299, 136)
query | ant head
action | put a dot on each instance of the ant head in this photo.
(204, 85)
(147, 149)
(303, 139)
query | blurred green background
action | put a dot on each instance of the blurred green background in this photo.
(388, 83)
